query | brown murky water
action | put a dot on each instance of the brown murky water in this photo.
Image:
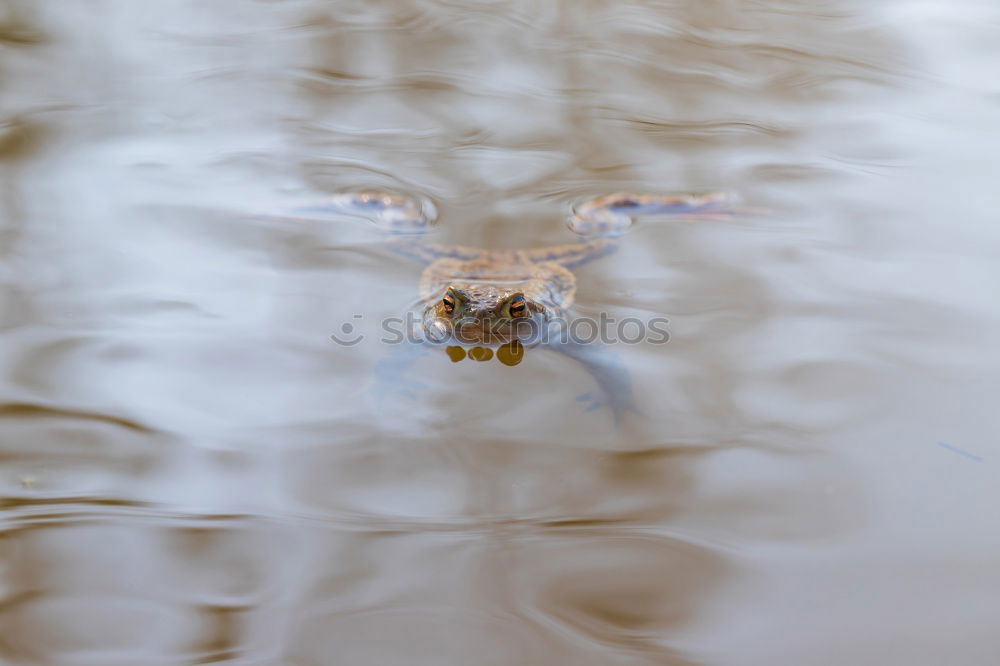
(193, 471)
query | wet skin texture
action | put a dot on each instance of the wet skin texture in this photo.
(487, 296)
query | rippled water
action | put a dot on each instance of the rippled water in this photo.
(193, 471)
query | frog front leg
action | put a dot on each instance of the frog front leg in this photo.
(393, 374)
(604, 364)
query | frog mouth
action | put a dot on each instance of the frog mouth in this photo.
(472, 330)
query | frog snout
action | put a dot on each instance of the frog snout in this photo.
(481, 315)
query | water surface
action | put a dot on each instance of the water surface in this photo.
(193, 471)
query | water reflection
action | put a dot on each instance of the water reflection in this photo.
(511, 353)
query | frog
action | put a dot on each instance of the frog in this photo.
(477, 299)
(485, 296)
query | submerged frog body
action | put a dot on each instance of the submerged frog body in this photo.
(484, 296)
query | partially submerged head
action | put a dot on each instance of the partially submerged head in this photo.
(481, 313)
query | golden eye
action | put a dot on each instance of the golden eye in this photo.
(518, 307)
(448, 302)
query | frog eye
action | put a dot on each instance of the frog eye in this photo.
(448, 301)
(518, 307)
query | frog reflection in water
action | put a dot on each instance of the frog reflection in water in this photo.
(485, 297)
